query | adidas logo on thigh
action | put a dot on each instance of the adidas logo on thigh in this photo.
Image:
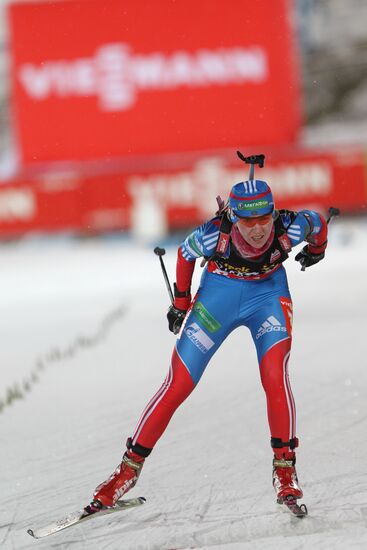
(271, 324)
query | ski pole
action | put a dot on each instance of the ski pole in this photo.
(333, 212)
(161, 252)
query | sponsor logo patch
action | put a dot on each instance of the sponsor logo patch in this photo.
(223, 243)
(287, 308)
(270, 325)
(199, 338)
(275, 255)
(254, 205)
(285, 242)
(206, 319)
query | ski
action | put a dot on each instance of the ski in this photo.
(89, 512)
(299, 510)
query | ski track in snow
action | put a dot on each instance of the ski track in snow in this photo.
(208, 482)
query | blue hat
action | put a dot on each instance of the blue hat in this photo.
(250, 198)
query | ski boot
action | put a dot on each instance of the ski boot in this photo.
(285, 481)
(286, 486)
(122, 480)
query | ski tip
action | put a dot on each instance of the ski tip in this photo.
(304, 511)
(298, 510)
(81, 515)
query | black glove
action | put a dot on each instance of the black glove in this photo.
(175, 319)
(306, 258)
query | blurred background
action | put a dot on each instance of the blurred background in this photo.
(126, 116)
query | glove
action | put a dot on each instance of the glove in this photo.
(177, 312)
(175, 318)
(306, 258)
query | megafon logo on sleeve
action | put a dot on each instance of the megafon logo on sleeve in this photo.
(115, 75)
(199, 338)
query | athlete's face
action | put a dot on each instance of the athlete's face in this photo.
(256, 230)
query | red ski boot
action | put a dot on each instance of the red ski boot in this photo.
(122, 480)
(285, 480)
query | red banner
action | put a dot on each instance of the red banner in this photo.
(109, 197)
(94, 79)
(45, 205)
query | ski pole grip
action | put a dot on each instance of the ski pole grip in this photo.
(159, 251)
(253, 159)
(333, 212)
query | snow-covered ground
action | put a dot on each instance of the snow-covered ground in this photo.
(84, 339)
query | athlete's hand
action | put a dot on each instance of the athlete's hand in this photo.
(175, 318)
(306, 258)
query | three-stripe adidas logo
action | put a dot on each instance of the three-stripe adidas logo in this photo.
(271, 324)
(250, 186)
(294, 233)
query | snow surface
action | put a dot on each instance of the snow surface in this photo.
(87, 318)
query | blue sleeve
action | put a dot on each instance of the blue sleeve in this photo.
(202, 241)
(305, 225)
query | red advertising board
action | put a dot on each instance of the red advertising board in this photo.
(40, 205)
(97, 78)
(108, 197)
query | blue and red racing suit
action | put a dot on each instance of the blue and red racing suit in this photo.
(235, 290)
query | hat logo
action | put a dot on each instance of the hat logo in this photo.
(255, 205)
